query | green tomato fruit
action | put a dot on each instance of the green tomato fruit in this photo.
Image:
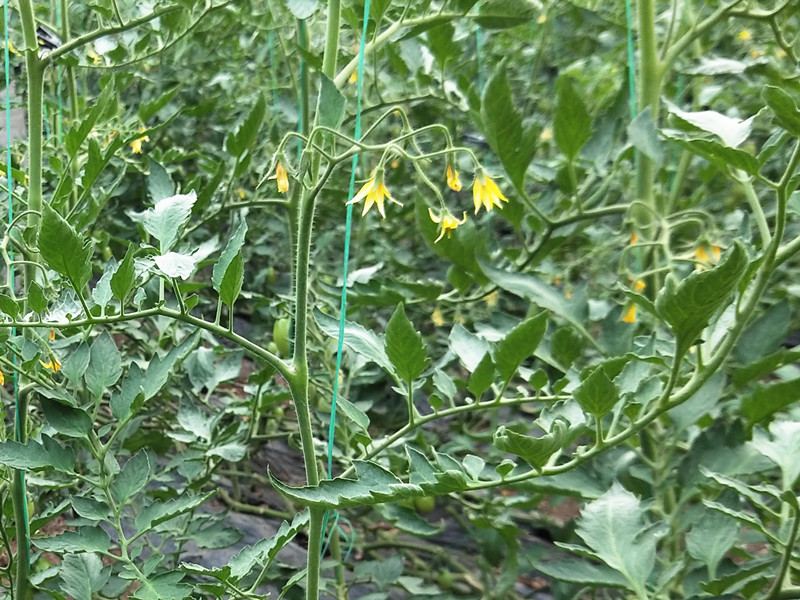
(424, 505)
(445, 580)
(280, 335)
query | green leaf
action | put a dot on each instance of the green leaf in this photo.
(131, 394)
(160, 367)
(581, 572)
(408, 521)
(765, 334)
(715, 152)
(405, 346)
(122, 280)
(91, 509)
(597, 394)
(572, 125)
(237, 142)
(159, 512)
(159, 183)
(710, 538)
(66, 420)
(765, 366)
(502, 14)
(644, 136)
(502, 124)
(229, 253)
(105, 365)
(231, 285)
(781, 446)
(37, 301)
(769, 399)
(302, 9)
(355, 414)
(166, 586)
(132, 478)
(174, 265)
(9, 307)
(733, 132)
(482, 377)
(34, 456)
(782, 104)
(232, 451)
(165, 220)
(148, 109)
(359, 340)
(689, 305)
(536, 451)
(82, 575)
(612, 527)
(331, 104)
(468, 347)
(265, 551)
(101, 294)
(76, 363)
(85, 539)
(519, 344)
(63, 250)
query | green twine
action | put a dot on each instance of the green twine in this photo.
(26, 554)
(631, 59)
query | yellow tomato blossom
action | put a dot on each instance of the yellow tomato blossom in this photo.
(136, 145)
(53, 364)
(485, 192)
(452, 179)
(634, 238)
(448, 222)
(373, 192)
(542, 19)
(436, 318)
(639, 285)
(491, 299)
(353, 78)
(630, 315)
(706, 256)
(546, 135)
(52, 335)
(2, 378)
(744, 35)
(282, 178)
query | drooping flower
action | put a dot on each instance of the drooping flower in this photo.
(630, 315)
(452, 179)
(136, 145)
(2, 378)
(447, 221)
(706, 256)
(53, 365)
(485, 192)
(282, 178)
(374, 192)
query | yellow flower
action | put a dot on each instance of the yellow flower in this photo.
(452, 179)
(353, 78)
(2, 378)
(754, 53)
(780, 53)
(448, 222)
(744, 35)
(630, 316)
(94, 56)
(491, 299)
(374, 192)
(52, 335)
(240, 193)
(634, 238)
(546, 135)
(282, 178)
(136, 145)
(705, 259)
(11, 48)
(485, 192)
(542, 19)
(716, 253)
(639, 285)
(52, 364)
(436, 318)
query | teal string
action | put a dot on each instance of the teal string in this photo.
(631, 59)
(348, 225)
(26, 553)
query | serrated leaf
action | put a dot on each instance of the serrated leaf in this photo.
(166, 219)
(502, 123)
(105, 365)
(355, 414)
(781, 446)
(89, 508)
(64, 251)
(331, 104)
(782, 104)
(66, 420)
(159, 183)
(122, 280)
(232, 451)
(37, 301)
(76, 363)
(9, 306)
(405, 346)
(231, 285)
(572, 126)
(408, 521)
(715, 152)
(597, 394)
(536, 451)
(85, 539)
(643, 135)
(34, 456)
(689, 305)
(733, 132)
(166, 586)
(468, 347)
(502, 14)
(132, 478)
(82, 575)
(101, 294)
(581, 572)
(769, 399)
(175, 265)
(519, 344)
(265, 551)
(359, 340)
(238, 141)
(231, 250)
(148, 109)
(612, 526)
(482, 377)
(710, 538)
(158, 512)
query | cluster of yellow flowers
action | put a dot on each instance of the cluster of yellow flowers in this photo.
(485, 193)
